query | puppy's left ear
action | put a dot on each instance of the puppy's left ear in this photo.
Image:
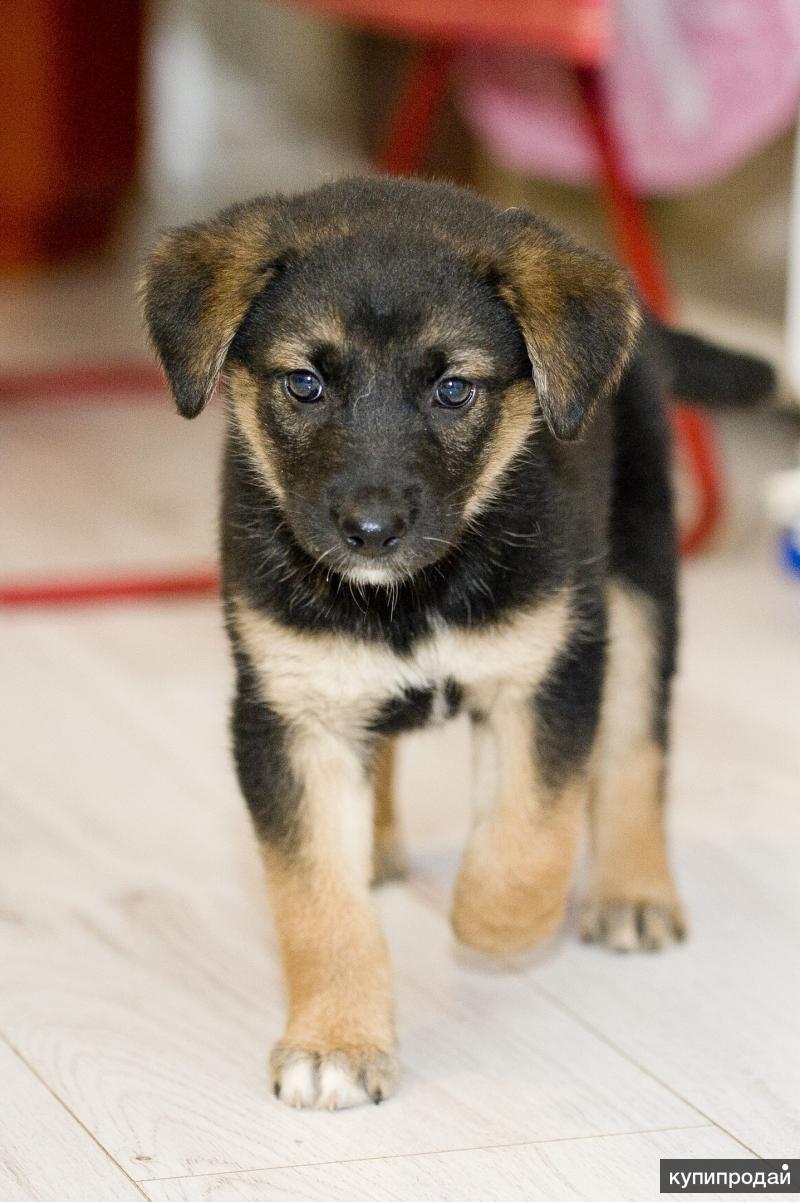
(197, 287)
(579, 318)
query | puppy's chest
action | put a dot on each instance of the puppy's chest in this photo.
(352, 683)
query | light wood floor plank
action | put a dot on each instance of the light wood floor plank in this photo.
(621, 1168)
(716, 1020)
(151, 1018)
(136, 487)
(45, 1155)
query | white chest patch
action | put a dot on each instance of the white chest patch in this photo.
(343, 681)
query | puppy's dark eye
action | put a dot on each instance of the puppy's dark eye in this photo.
(453, 393)
(303, 386)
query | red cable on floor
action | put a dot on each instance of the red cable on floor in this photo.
(132, 586)
(93, 383)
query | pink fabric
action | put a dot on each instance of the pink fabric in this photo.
(693, 87)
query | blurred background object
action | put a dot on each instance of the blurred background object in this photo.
(243, 96)
(70, 124)
(239, 96)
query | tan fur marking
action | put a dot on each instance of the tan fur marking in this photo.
(290, 353)
(231, 256)
(508, 441)
(243, 393)
(322, 680)
(629, 849)
(546, 281)
(441, 334)
(335, 961)
(514, 877)
(628, 839)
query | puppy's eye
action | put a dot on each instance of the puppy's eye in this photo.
(303, 386)
(454, 393)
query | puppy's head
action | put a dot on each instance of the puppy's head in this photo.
(389, 348)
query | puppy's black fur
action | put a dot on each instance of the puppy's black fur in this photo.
(371, 528)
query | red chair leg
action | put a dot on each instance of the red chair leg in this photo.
(634, 239)
(637, 247)
(410, 129)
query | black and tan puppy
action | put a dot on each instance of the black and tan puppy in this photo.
(446, 487)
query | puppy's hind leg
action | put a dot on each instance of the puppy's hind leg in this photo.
(632, 903)
(388, 858)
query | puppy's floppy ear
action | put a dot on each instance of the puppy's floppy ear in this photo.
(197, 287)
(578, 316)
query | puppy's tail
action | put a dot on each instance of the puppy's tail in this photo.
(711, 375)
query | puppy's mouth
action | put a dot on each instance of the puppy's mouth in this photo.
(379, 571)
(378, 574)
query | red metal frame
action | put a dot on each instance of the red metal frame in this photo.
(638, 248)
(413, 121)
(407, 140)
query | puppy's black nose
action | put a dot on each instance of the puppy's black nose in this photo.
(371, 529)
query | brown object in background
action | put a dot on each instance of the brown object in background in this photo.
(69, 124)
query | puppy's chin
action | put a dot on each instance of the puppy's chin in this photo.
(377, 574)
(386, 572)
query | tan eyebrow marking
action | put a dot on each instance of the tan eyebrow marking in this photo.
(456, 344)
(468, 362)
(243, 394)
(293, 350)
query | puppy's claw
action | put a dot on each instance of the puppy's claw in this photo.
(627, 926)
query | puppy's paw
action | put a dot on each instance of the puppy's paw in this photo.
(633, 926)
(508, 916)
(503, 931)
(333, 1080)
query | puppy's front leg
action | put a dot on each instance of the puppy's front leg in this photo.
(311, 799)
(512, 886)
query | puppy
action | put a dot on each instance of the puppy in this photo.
(446, 487)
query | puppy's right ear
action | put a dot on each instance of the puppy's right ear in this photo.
(197, 287)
